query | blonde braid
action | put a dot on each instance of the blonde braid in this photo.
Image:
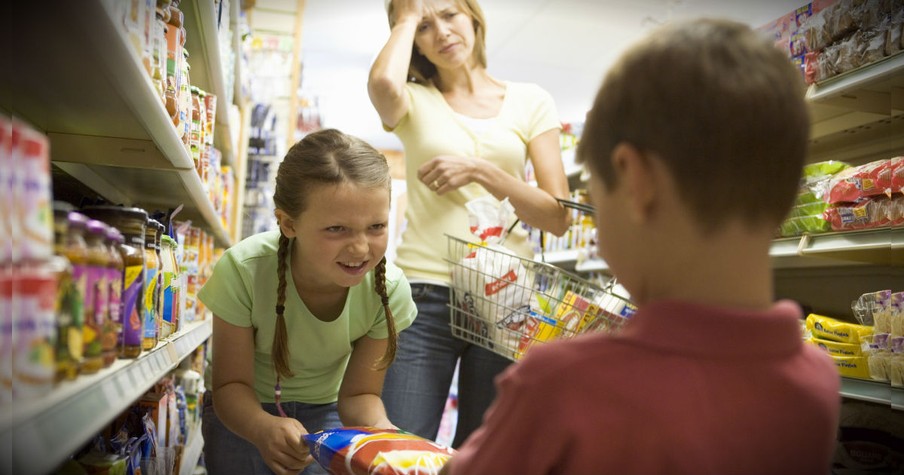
(280, 354)
(380, 287)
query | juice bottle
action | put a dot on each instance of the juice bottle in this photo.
(96, 300)
(115, 270)
(171, 286)
(69, 301)
(131, 223)
(151, 268)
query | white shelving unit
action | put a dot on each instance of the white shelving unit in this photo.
(875, 392)
(209, 74)
(43, 432)
(78, 79)
(108, 129)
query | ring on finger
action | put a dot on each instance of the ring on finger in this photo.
(434, 185)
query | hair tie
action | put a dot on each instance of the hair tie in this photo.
(280, 309)
(385, 300)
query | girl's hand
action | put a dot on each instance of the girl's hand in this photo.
(280, 444)
(445, 173)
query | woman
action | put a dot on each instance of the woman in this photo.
(466, 134)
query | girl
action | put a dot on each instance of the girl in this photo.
(305, 318)
(466, 134)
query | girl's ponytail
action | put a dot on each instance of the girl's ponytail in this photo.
(380, 287)
(280, 354)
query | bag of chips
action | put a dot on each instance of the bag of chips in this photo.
(372, 451)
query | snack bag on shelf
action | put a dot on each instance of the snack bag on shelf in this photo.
(492, 283)
(371, 451)
(833, 329)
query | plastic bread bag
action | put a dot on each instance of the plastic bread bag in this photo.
(493, 286)
(372, 451)
(874, 308)
(896, 362)
(836, 330)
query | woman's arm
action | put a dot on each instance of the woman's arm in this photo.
(359, 394)
(277, 438)
(389, 73)
(536, 206)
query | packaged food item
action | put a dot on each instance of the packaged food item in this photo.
(152, 280)
(497, 287)
(855, 183)
(96, 299)
(896, 363)
(115, 272)
(371, 451)
(69, 305)
(878, 353)
(836, 348)
(874, 308)
(832, 329)
(852, 366)
(32, 193)
(34, 331)
(131, 222)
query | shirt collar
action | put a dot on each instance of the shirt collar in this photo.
(692, 328)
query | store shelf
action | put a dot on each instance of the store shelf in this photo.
(859, 116)
(876, 246)
(873, 391)
(43, 432)
(592, 265)
(207, 72)
(104, 119)
(566, 258)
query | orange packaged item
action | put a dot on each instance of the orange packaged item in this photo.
(372, 451)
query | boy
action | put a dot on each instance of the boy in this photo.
(695, 146)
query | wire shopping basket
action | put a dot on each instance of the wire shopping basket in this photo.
(507, 304)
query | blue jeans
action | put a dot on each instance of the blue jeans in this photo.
(417, 382)
(225, 453)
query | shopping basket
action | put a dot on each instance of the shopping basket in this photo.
(507, 304)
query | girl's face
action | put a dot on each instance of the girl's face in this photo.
(445, 34)
(341, 236)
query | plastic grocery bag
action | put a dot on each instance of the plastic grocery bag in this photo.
(493, 286)
(372, 451)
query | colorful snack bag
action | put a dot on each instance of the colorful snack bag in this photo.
(372, 451)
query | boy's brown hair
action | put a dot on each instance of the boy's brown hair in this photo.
(719, 105)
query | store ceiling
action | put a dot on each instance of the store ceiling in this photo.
(563, 45)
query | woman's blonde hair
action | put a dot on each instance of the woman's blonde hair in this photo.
(325, 157)
(421, 70)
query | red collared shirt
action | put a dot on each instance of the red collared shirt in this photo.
(684, 388)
